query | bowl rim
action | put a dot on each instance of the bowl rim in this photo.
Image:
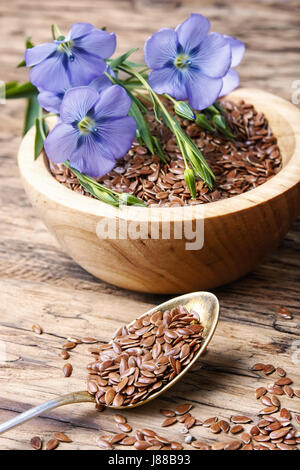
(36, 175)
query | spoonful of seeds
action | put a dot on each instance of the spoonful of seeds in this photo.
(144, 358)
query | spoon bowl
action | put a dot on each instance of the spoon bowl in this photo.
(205, 304)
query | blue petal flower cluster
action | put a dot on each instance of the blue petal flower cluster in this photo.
(94, 127)
(190, 63)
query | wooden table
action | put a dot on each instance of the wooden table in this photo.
(39, 284)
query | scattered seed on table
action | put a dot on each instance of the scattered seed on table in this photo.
(103, 443)
(236, 429)
(64, 355)
(183, 409)
(120, 419)
(37, 329)
(169, 422)
(269, 369)
(52, 444)
(285, 313)
(260, 392)
(36, 443)
(281, 372)
(61, 437)
(67, 370)
(69, 345)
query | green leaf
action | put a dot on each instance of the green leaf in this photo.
(122, 58)
(159, 149)
(15, 90)
(142, 126)
(41, 130)
(189, 177)
(130, 200)
(33, 110)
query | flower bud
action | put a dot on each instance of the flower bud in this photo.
(190, 181)
(184, 110)
(203, 122)
(221, 124)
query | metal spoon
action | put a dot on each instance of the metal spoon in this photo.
(207, 307)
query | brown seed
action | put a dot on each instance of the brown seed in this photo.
(64, 355)
(297, 417)
(201, 445)
(246, 438)
(281, 372)
(61, 437)
(258, 367)
(282, 446)
(125, 427)
(283, 381)
(215, 427)
(224, 425)
(120, 419)
(208, 422)
(219, 445)
(236, 429)
(183, 409)
(141, 445)
(36, 443)
(67, 370)
(128, 441)
(279, 433)
(103, 443)
(269, 369)
(176, 445)
(268, 410)
(69, 345)
(288, 391)
(241, 419)
(260, 392)
(169, 422)
(89, 340)
(52, 444)
(275, 401)
(168, 413)
(234, 445)
(37, 329)
(285, 313)
(285, 414)
(118, 437)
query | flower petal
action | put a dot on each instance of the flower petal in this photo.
(37, 54)
(230, 82)
(202, 90)
(237, 50)
(87, 158)
(98, 43)
(61, 142)
(161, 48)
(169, 80)
(50, 74)
(101, 83)
(50, 101)
(213, 57)
(84, 68)
(113, 102)
(78, 30)
(76, 103)
(192, 31)
(115, 136)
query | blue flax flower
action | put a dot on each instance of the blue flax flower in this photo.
(94, 130)
(232, 79)
(51, 101)
(188, 62)
(74, 60)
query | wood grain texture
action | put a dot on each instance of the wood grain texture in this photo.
(40, 284)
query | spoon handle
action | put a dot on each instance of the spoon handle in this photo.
(76, 397)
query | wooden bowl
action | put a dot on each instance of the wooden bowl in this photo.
(238, 232)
